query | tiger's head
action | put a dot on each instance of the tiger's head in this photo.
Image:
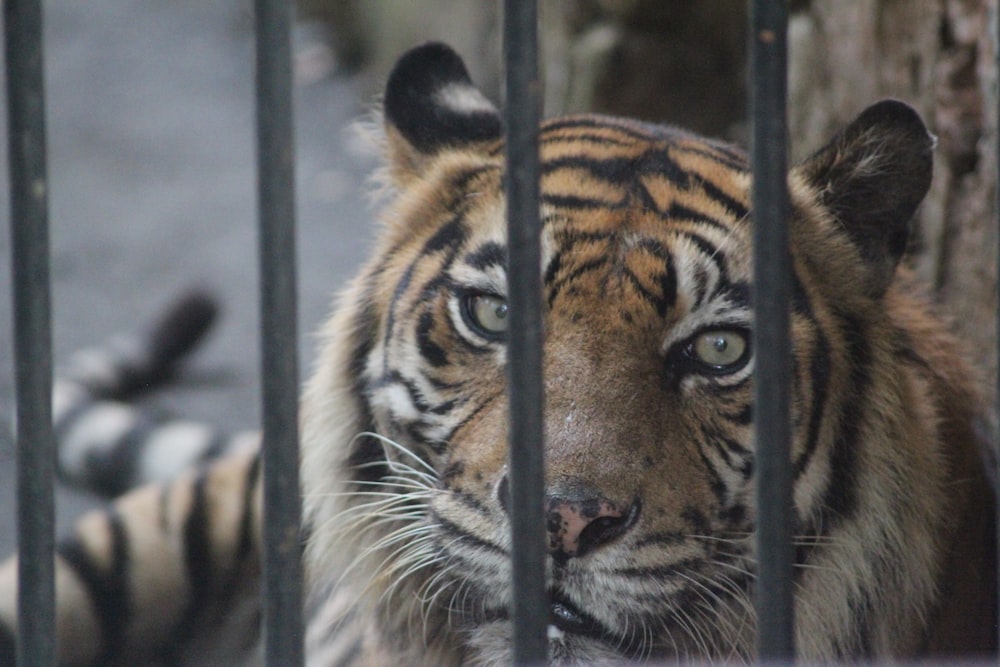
(648, 373)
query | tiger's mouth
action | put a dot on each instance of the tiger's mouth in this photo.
(568, 618)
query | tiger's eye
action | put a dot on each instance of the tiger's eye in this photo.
(719, 348)
(488, 313)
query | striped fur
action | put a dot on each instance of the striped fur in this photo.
(104, 443)
(649, 449)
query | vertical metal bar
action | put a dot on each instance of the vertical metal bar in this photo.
(32, 331)
(772, 351)
(996, 205)
(524, 350)
(282, 589)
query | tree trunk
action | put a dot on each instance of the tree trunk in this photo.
(938, 55)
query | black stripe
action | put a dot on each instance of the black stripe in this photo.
(198, 544)
(112, 472)
(444, 385)
(434, 354)
(472, 415)
(571, 237)
(736, 447)
(681, 213)
(586, 267)
(197, 565)
(625, 171)
(8, 646)
(715, 483)
(732, 205)
(416, 432)
(456, 534)
(247, 546)
(451, 234)
(819, 373)
(710, 251)
(660, 163)
(742, 418)
(430, 290)
(682, 142)
(681, 568)
(737, 457)
(738, 294)
(718, 389)
(444, 407)
(667, 279)
(413, 427)
(585, 138)
(217, 446)
(365, 450)
(470, 501)
(206, 587)
(660, 302)
(841, 495)
(718, 152)
(581, 203)
(599, 122)
(669, 539)
(458, 184)
(700, 286)
(487, 255)
(108, 588)
(448, 236)
(394, 377)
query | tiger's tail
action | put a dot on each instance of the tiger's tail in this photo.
(109, 445)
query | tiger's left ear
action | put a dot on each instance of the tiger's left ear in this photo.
(431, 105)
(871, 177)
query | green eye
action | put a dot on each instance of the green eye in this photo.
(722, 350)
(486, 315)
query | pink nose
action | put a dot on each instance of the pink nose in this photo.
(578, 526)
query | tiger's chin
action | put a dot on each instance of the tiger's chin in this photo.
(491, 643)
(575, 637)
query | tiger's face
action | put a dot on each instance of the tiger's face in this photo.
(647, 381)
(648, 372)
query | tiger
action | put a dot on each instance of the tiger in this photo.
(648, 368)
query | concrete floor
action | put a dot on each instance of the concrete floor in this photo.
(152, 173)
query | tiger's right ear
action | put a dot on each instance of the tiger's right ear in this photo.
(431, 105)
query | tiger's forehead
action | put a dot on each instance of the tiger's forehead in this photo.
(594, 163)
(626, 185)
(626, 210)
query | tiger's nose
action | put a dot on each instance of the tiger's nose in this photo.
(579, 522)
(578, 525)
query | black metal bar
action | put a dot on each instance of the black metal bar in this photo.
(32, 332)
(524, 348)
(282, 588)
(772, 352)
(996, 205)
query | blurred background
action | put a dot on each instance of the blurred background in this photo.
(151, 148)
